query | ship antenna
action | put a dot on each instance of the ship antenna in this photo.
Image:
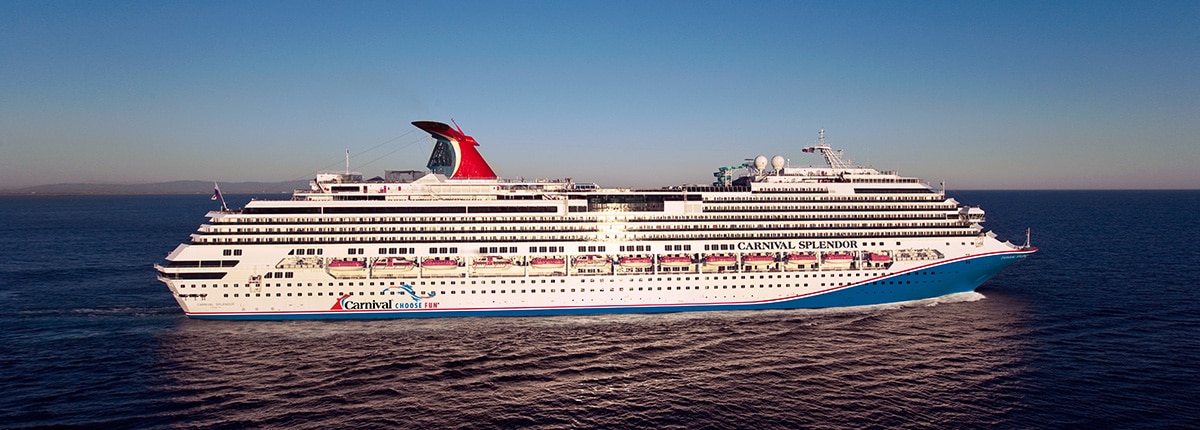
(456, 126)
(347, 161)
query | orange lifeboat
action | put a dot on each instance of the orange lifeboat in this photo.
(838, 258)
(720, 260)
(346, 265)
(392, 264)
(547, 263)
(878, 258)
(589, 261)
(439, 264)
(758, 260)
(675, 261)
(636, 262)
(801, 259)
(491, 262)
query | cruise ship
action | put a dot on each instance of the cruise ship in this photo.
(459, 241)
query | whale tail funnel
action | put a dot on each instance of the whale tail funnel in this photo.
(455, 155)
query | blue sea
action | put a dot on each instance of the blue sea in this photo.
(1099, 329)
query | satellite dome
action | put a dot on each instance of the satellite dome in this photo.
(760, 162)
(777, 162)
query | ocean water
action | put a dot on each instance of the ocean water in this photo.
(1100, 329)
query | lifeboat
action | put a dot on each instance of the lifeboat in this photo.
(636, 262)
(491, 262)
(878, 258)
(547, 263)
(758, 260)
(800, 259)
(589, 261)
(675, 261)
(345, 265)
(439, 264)
(838, 258)
(720, 260)
(392, 264)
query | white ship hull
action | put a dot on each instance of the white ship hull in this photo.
(465, 244)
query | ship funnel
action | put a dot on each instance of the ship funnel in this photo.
(455, 155)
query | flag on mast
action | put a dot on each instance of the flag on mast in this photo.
(217, 195)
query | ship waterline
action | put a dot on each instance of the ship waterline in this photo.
(459, 241)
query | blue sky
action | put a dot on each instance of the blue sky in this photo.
(982, 95)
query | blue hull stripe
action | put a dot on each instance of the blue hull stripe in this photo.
(934, 280)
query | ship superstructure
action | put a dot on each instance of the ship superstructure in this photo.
(459, 241)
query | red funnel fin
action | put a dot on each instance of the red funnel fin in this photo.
(468, 163)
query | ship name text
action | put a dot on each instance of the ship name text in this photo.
(796, 245)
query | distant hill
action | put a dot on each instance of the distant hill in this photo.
(174, 187)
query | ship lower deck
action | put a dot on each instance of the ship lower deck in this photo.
(498, 296)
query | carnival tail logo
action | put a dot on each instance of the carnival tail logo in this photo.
(337, 306)
(455, 155)
(408, 289)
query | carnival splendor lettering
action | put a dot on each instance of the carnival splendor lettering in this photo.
(796, 245)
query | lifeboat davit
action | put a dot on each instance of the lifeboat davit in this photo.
(636, 262)
(439, 264)
(675, 261)
(720, 260)
(547, 263)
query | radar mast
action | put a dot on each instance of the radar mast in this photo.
(834, 158)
